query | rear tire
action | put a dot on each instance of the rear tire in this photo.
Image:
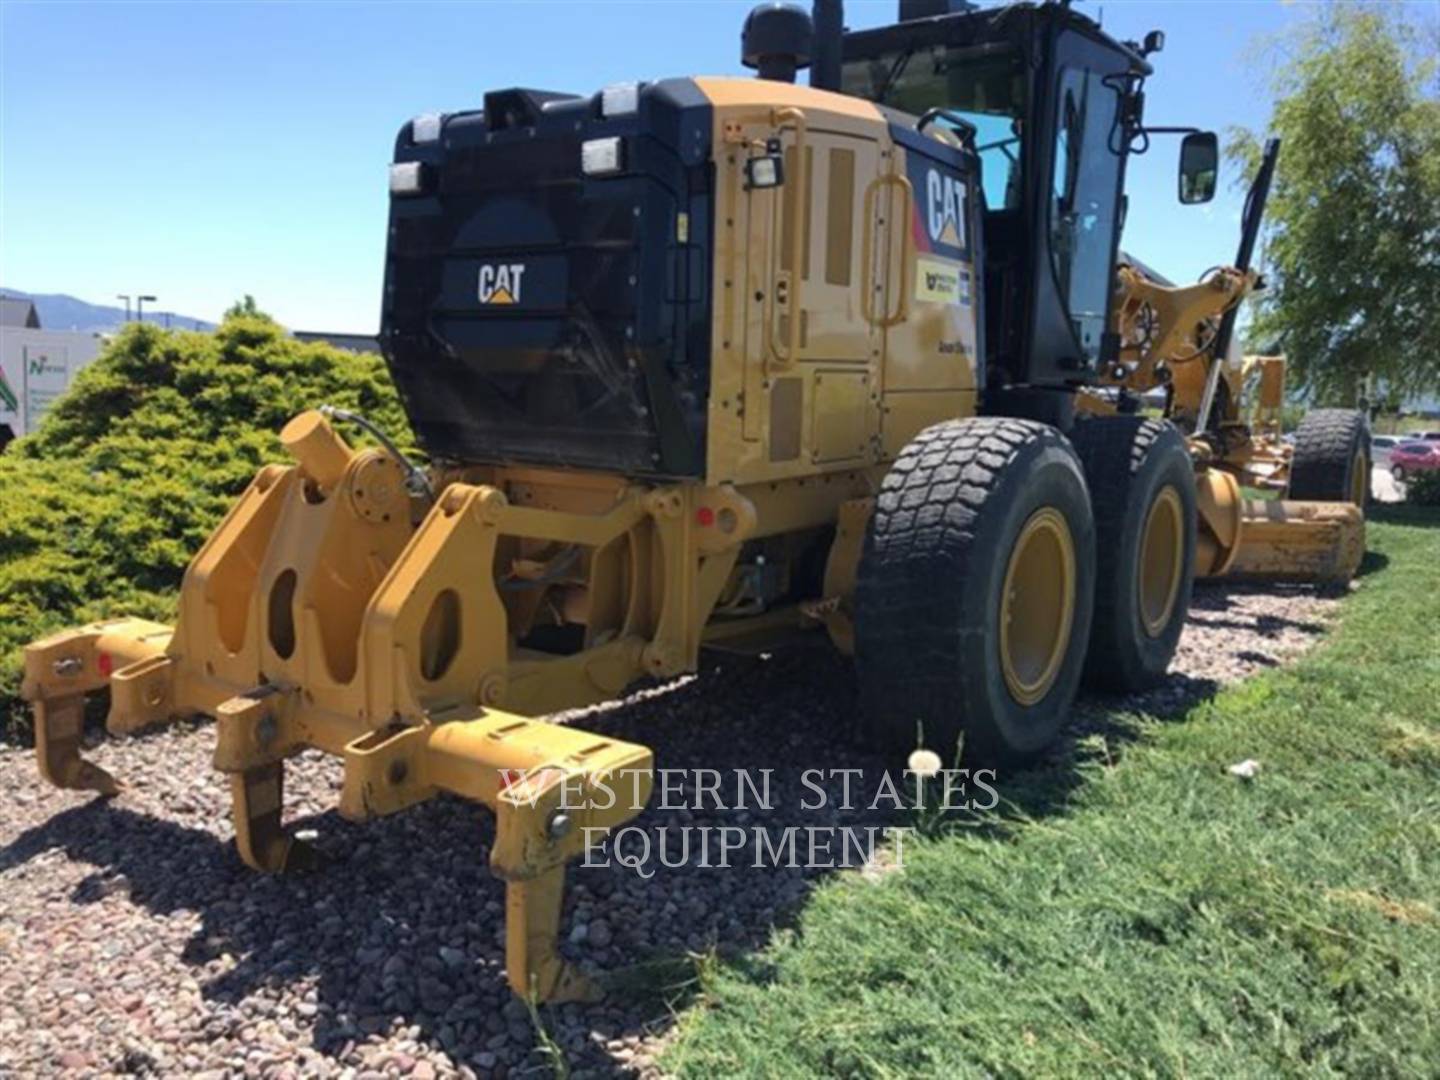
(979, 521)
(1142, 488)
(1332, 457)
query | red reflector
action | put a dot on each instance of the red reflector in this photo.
(705, 516)
(106, 663)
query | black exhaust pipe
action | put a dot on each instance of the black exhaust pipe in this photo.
(829, 19)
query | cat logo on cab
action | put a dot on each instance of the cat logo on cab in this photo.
(500, 284)
(945, 196)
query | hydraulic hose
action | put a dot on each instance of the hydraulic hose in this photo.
(415, 478)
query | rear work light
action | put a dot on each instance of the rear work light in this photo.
(407, 178)
(620, 99)
(602, 157)
(425, 128)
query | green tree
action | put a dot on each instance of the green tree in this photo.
(1352, 252)
(245, 307)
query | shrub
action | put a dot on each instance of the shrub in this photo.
(103, 507)
(1423, 488)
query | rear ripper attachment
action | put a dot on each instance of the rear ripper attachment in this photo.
(317, 615)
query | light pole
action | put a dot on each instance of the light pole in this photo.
(123, 296)
(140, 307)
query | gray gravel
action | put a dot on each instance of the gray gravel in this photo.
(133, 941)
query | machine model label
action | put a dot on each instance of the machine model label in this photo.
(938, 282)
(500, 283)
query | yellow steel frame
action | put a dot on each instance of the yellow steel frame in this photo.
(1162, 330)
(328, 610)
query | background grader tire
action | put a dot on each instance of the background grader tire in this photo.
(1142, 488)
(981, 524)
(1332, 458)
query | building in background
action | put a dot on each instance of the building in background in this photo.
(18, 311)
(36, 366)
(357, 343)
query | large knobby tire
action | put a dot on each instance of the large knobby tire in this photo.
(1142, 488)
(1332, 457)
(974, 591)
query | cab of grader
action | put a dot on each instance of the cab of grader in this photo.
(712, 362)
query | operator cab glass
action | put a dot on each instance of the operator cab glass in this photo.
(1083, 204)
(984, 85)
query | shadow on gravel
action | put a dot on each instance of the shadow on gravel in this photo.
(405, 925)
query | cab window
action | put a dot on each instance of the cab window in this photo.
(1084, 193)
(985, 87)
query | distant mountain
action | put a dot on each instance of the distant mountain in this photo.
(61, 312)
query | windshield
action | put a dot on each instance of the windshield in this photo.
(983, 86)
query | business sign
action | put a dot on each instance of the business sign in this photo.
(36, 367)
(47, 375)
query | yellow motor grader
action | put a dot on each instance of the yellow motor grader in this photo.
(710, 362)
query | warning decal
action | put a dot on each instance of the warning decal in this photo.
(939, 282)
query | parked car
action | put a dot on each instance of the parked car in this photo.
(1381, 445)
(1412, 457)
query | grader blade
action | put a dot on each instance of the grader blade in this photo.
(1274, 539)
(1285, 540)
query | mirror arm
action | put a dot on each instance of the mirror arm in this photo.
(968, 131)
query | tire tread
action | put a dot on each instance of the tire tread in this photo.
(919, 552)
(1325, 445)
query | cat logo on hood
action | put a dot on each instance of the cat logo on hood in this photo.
(500, 284)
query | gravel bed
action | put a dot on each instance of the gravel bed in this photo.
(132, 940)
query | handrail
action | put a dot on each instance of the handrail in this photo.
(898, 223)
(799, 235)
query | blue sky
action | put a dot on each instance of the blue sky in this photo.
(202, 151)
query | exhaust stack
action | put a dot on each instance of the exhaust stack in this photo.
(828, 17)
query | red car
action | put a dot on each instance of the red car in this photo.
(1410, 457)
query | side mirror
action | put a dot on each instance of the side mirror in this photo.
(1199, 167)
(1154, 42)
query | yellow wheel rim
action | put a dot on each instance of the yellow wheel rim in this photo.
(1359, 478)
(1162, 555)
(1037, 606)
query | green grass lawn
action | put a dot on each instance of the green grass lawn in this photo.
(1163, 917)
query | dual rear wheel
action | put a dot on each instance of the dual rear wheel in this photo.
(998, 556)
